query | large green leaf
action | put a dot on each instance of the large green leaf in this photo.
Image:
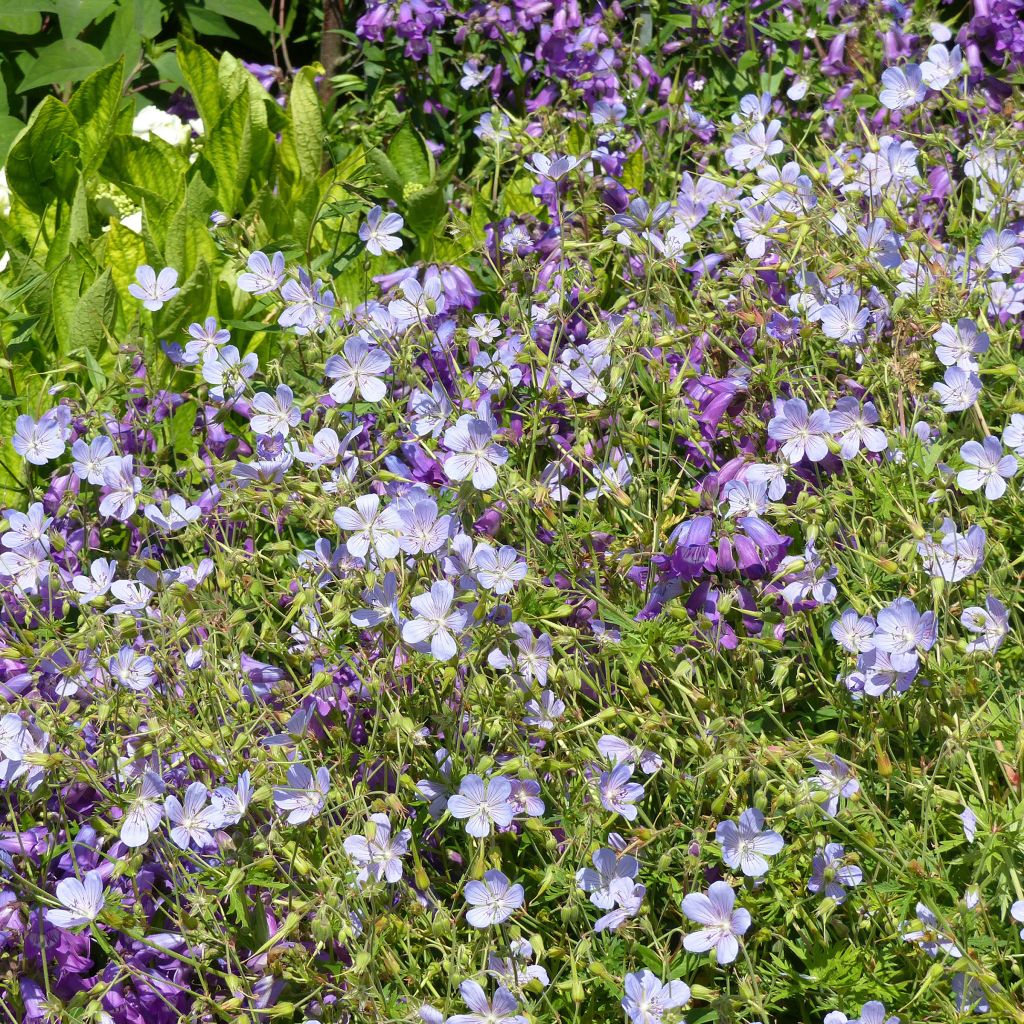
(200, 70)
(304, 139)
(65, 60)
(95, 104)
(77, 15)
(228, 148)
(145, 169)
(188, 243)
(41, 164)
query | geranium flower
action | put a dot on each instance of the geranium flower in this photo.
(723, 924)
(493, 900)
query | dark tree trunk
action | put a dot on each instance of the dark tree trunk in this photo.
(330, 45)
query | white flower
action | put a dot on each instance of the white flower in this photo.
(82, 901)
(991, 468)
(493, 900)
(435, 621)
(370, 526)
(150, 121)
(902, 87)
(942, 66)
(380, 231)
(274, 414)
(359, 369)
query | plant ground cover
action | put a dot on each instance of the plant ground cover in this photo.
(536, 539)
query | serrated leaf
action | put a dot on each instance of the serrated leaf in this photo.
(304, 138)
(41, 164)
(200, 70)
(94, 106)
(228, 149)
(94, 318)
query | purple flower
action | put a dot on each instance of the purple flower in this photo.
(845, 321)
(991, 468)
(958, 389)
(192, 823)
(499, 1010)
(154, 290)
(264, 275)
(722, 924)
(617, 793)
(800, 432)
(145, 812)
(647, 999)
(482, 805)
(370, 526)
(902, 87)
(970, 823)
(836, 780)
(493, 900)
(1000, 253)
(379, 231)
(960, 345)
(902, 631)
(359, 369)
(379, 855)
(830, 875)
(82, 901)
(474, 454)
(991, 624)
(435, 621)
(274, 414)
(931, 939)
(304, 796)
(854, 633)
(498, 571)
(609, 867)
(123, 487)
(747, 844)
(853, 426)
(39, 441)
(226, 371)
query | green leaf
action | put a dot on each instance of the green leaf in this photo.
(144, 169)
(94, 318)
(200, 70)
(27, 24)
(77, 15)
(304, 138)
(9, 128)
(228, 148)
(387, 172)
(66, 60)
(252, 12)
(41, 164)
(410, 157)
(181, 428)
(206, 23)
(424, 208)
(73, 277)
(94, 104)
(188, 243)
(633, 171)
